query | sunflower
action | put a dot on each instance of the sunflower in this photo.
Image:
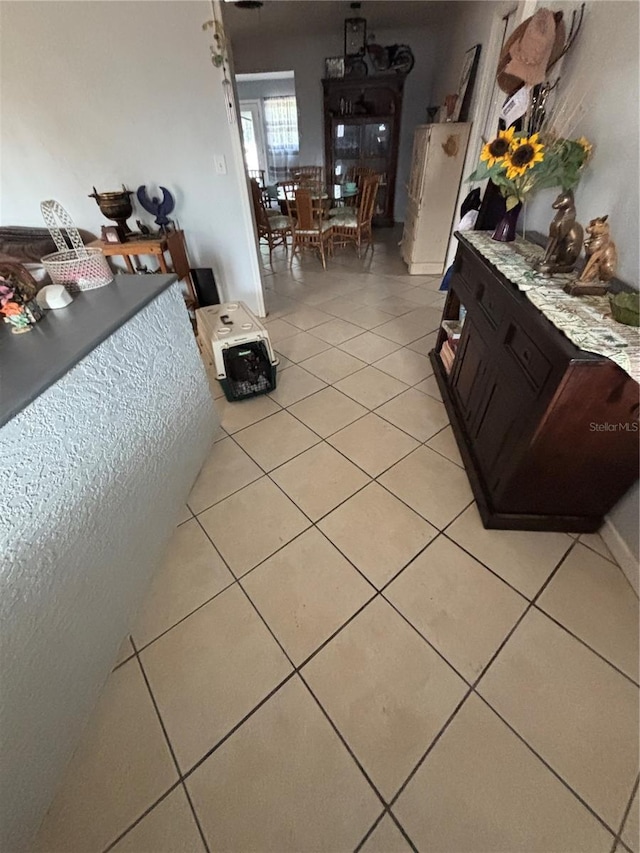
(496, 150)
(584, 143)
(524, 154)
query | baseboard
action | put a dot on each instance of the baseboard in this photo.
(428, 268)
(622, 553)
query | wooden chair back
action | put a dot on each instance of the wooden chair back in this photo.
(368, 193)
(357, 173)
(306, 221)
(307, 175)
(258, 207)
(258, 175)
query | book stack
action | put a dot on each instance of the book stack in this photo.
(447, 354)
(453, 328)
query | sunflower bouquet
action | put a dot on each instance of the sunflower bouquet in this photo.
(520, 164)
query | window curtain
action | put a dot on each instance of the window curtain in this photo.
(281, 130)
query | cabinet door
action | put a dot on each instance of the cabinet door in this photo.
(469, 375)
(418, 161)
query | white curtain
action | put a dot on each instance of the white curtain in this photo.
(281, 129)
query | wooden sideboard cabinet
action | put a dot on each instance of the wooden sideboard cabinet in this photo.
(527, 408)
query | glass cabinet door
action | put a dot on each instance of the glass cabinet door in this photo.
(346, 141)
(376, 141)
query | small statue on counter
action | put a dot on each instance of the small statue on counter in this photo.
(602, 260)
(565, 238)
(602, 257)
(160, 209)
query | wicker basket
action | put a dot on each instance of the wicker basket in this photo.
(79, 267)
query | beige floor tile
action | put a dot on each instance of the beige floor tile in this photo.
(367, 317)
(242, 413)
(386, 838)
(430, 386)
(373, 444)
(121, 767)
(396, 305)
(593, 599)
(416, 413)
(184, 514)
(319, 479)
(336, 331)
(338, 305)
(406, 365)
(333, 365)
(369, 347)
(209, 671)
(523, 558)
(306, 317)
(371, 387)
(432, 485)
(301, 346)
(481, 789)
(327, 411)
(596, 543)
(631, 830)
(125, 651)
(306, 592)
(460, 607)
(445, 444)
(377, 532)
(424, 345)
(253, 523)
(402, 330)
(283, 783)
(295, 384)
(169, 828)
(227, 469)
(386, 690)
(576, 711)
(191, 574)
(276, 439)
(280, 329)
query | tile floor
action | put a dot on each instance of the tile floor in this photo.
(336, 655)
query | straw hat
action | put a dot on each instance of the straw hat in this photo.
(532, 47)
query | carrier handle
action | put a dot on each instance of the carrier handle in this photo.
(55, 217)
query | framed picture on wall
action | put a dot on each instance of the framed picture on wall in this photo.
(334, 66)
(467, 79)
(355, 36)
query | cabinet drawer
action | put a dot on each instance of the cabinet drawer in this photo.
(533, 363)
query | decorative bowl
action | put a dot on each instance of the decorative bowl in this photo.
(625, 308)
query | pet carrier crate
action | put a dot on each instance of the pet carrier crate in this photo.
(239, 347)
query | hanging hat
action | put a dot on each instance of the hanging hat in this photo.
(530, 50)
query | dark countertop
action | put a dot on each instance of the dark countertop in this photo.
(31, 362)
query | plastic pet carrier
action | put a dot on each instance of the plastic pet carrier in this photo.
(239, 347)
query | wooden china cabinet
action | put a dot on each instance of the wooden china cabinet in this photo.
(362, 128)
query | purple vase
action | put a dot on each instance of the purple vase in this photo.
(506, 229)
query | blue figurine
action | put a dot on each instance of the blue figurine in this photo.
(159, 209)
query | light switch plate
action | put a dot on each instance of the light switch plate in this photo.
(221, 164)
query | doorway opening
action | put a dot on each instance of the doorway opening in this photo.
(269, 119)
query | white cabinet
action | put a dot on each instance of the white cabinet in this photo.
(439, 152)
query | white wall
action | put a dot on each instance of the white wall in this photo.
(295, 48)
(604, 64)
(94, 473)
(105, 93)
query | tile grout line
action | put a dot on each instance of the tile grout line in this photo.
(170, 745)
(625, 816)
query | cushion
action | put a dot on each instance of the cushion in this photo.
(270, 212)
(278, 222)
(326, 224)
(342, 211)
(349, 221)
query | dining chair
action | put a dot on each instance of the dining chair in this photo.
(302, 175)
(356, 227)
(273, 227)
(355, 174)
(310, 229)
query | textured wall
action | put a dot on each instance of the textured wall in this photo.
(93, 475)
